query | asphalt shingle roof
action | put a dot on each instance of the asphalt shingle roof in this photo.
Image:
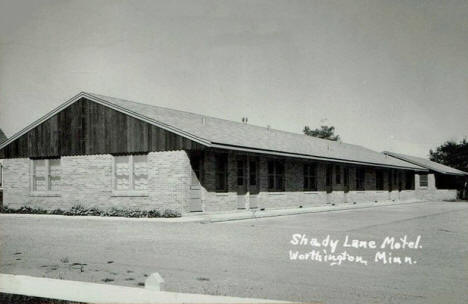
(426, 163)
(235, 134)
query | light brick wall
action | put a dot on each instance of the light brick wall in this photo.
(87, 181)
(294, 196)
(431, 192)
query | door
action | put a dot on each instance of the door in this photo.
(253, 183)
(241, 182)
(400, 185)
(329, 178)
(195, 202)
(345, 183)
(390, 184)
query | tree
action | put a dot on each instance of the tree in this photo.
(324, 132)
(452, 154)
(2, 136)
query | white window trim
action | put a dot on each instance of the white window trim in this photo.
(47, 193)
(131, 192)
(427, 182)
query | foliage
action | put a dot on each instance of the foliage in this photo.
(2, 136)
(23, 210)
(8, 298)
(324, 132)
(79, 210)
(451, 154)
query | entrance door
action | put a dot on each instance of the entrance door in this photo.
(241, 183)
(195, 203)
(390, 184)
(400, 184)
(346, 183)
(253, 183)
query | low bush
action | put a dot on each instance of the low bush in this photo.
(23, 210)
(79, 210)
(170, 213)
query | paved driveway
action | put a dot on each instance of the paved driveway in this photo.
(251, 258)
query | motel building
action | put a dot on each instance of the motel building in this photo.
(104, 152)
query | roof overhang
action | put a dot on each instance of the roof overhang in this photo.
(400, 157)
(312, 157)
(449, 173)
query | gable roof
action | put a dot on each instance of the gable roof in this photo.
(225, 134)
(426, 163)
(2, 136)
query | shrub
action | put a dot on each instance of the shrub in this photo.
(76, 210)
(27, 209)
(170, 213)
(79, 210)
(154, 213)
(57, 212)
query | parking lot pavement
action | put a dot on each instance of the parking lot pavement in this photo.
(252, 258)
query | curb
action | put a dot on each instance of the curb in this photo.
(289, 212)
(103, 293)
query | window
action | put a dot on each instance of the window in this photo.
(409, 185)
(329, 174)
(253, 173)
(240, 172)
(379, 180)
(275, 175)
(346, 176)
(338, 174)
(360, 178)
(221, 172)
(310, 177)
(423, 180)
(131, 173)
(45, 175)
(395, 177)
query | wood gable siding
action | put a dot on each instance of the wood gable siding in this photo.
(86, 127)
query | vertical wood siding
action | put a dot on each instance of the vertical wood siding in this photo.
(86, 128)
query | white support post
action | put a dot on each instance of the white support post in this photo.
(154, 282)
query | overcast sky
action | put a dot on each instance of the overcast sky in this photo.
(389, 75)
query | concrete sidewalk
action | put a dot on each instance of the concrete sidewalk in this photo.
(255, 213)
(230, 216)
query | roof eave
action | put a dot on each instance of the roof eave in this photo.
(313, 157)
(461, 173)
(451, 173)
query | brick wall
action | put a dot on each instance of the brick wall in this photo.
(431, 192)
(87, 180)
(294, 196)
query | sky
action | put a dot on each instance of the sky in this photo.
(389, 75)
